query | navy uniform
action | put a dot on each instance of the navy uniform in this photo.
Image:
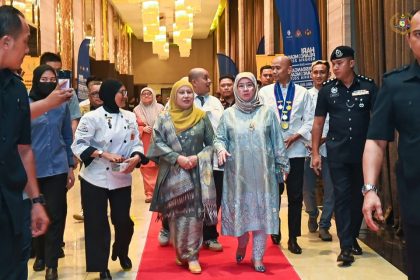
(15, 129)
(397, 108)
(349, 110)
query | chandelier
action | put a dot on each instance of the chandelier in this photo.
(182, 26)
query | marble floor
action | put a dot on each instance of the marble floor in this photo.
(318, 260)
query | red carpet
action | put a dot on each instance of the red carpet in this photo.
(159, 262)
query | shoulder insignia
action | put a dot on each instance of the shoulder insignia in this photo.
(364, 78)
(329, 81)
(397, 70)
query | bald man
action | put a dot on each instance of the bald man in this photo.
(200, 80)
(292, 104)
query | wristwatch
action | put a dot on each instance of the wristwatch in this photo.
(39, 199)
(100, 153)
(369, 187)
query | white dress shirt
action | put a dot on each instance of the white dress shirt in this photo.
(214, 109)
(301, 117)
(112, 133)
(313, 92)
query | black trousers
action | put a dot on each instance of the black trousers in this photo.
(412, 234)
(48, 245)
(13, 253)
(347, 179)
(294, 188)
(210, 232)
(97, 230)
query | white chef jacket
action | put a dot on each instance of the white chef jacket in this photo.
(301, 117)
(214, 109)
(112, 133)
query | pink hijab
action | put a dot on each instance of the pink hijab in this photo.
(148, 113)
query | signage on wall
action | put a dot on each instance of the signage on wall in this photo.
(301, 36)
(83, 69)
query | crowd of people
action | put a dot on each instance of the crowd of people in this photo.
(192, 157)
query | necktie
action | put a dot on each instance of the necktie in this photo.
(201, 99)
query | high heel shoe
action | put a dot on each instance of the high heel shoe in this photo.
(194, 267)
(258, 268)
(179, 262)
(240, 254)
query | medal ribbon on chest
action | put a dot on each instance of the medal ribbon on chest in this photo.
(284, 106)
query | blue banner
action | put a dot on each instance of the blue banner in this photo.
(301, 36)
(83, 69)
(226, 65)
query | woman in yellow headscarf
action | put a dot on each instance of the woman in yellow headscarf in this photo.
(184, 194)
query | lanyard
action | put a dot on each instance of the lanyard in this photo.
(284, 106)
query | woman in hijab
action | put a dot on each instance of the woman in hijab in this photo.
(185, 194)
(107, 141)
(51, 139)
(250, 185)
(147, 112)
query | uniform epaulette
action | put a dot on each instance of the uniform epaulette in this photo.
(397, 70)
(365, 78)
(329, 81)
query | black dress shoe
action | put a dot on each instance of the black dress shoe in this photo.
(356, 249)
(105, 275)
(293, 247)
(51, 274)
(346, 257)
(61, 253)
(276, 238)
(39, 265)
(125, 263)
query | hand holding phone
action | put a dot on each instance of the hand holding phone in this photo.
(64, 78)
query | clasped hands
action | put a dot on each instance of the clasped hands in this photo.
(187, 162)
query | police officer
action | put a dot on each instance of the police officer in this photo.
(397, 108)
(348, 100)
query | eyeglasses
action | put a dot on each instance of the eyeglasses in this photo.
(146, 93)
(246, 86)
(123, 92)
(46, 80)
(94, 94)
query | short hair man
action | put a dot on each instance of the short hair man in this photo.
(397, 108)
(200, 80)
(54, 60)
(348, 100)
(266, 75)
(93, 84)
(320, 72)
(226, 91)
(17, 166)
(293, 105)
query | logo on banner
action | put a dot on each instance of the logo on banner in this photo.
(400, 23)
(289, 34)
(298, 33)
(308, 32)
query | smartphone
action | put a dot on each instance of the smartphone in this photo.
(64, 76)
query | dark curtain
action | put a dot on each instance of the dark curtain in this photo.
(253, 33)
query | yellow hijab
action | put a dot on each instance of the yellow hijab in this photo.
(183, 119)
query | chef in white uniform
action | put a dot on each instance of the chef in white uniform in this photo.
(107, 141)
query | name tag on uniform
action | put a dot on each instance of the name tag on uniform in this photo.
(360, 92)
